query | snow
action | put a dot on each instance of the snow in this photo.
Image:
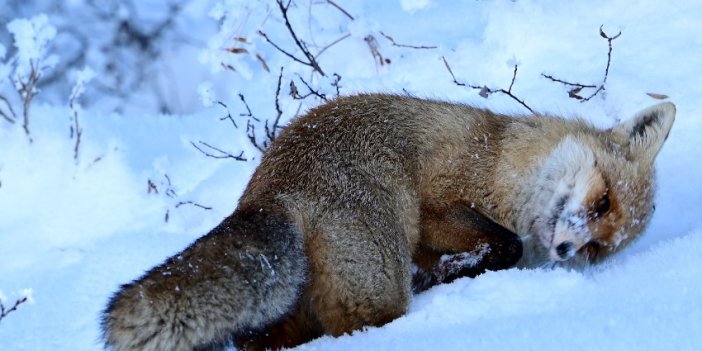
(72, 232)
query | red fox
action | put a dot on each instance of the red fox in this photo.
(354, 194)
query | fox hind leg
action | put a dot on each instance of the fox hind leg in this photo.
(360, 272)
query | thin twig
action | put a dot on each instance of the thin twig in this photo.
(392, 41)
(330, 2)
(248, 110)
(229, 114)
(335, 83)
(331, 44)
(4, 312)
(311, 61)
(222, 153)
(151, 187)
(609, 62)
(251, 134)
(265, 36)
(455, 81)
(578, 87)
(76, 130)
(27, 92)
(194, 204)
(273, 131)
(12, 118)
(508, 92)
(296, 95)
(170, 192)
(514, 76)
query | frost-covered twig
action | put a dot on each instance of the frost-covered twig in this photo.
(31, 61)
(577, 88)
(26, 88)
(485, 91)
(83, 78)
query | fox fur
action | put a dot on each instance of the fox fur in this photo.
(359, 190)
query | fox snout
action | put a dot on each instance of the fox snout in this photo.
(564, 247)
(571, 234)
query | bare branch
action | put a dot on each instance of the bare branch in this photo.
(221, 153)
(10, 119)
(192, 203)
(170, 192)
(76, 130)
(273, 131)
(455, 81)
(265, 36)
(335, 83)
(27, 91)
(330, 2)
(311, 60)
(331, 44)
(405, 45)
(5, 311)
(296, 94)
(577, 88)
(251, 134)
(578, 85)
(248, 110)
(485, 91)
(229, 114)
(151, 187)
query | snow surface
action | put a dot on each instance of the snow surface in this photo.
(73, 231)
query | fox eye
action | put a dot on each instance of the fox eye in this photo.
(602, 206)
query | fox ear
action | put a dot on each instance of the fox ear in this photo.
(645, 133)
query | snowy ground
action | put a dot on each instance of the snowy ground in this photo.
(73, 231)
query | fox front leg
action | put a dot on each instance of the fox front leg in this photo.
(457, 241)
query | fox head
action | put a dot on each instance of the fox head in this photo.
(595, 188)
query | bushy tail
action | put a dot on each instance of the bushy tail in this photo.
(246, 273)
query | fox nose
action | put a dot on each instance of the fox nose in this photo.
(563, 249)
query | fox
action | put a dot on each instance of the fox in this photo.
(362, 198)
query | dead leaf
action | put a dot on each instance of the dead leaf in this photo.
(484, 92)
(657, 96)
(573, 93)
(238, 51)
